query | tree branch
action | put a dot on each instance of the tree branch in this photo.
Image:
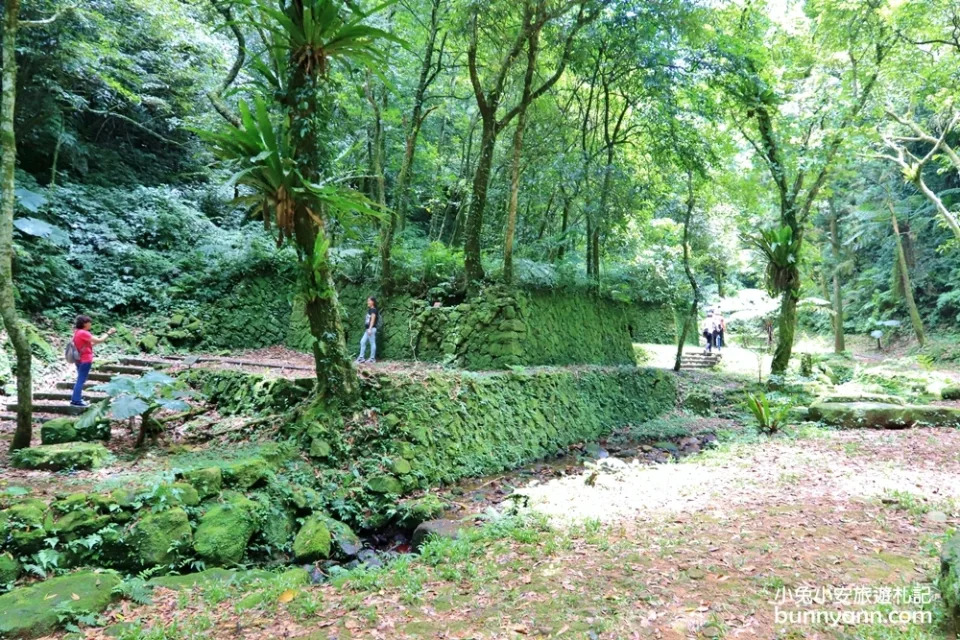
(216, 95)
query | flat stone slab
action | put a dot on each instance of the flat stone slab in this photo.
(56, 457)
(847, 398)
(876, 415)
(34, 611)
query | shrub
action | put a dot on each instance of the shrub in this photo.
(769, 419)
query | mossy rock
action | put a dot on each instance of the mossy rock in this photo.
(176, 320)
(34, 611)
(344, 542)
(950, 393)
(78, 523)
(400, 466)
(9, 568)
(862, 397)
(207, 482)
(57, 457)
(59, 430)
(874, 415)
(23, 523)
(149, 342)
(699, 403)
(313, 541)
(246, 473)
(949, 582)
(215, 575)
(414, 511)
(153, 536)
(385, 485)
(319, 448)
(224, 530)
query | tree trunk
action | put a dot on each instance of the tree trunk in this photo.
(8, 307)
(695, 289)
(474, 226)
(417, 116)
(310, 106)
(786, 329)
(839, 343)
(564, 223)
(533, 44)
(905, 275)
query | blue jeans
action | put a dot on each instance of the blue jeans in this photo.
(83, 370)
(369, 337)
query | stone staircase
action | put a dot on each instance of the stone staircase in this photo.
(51, 404)
(699, 360)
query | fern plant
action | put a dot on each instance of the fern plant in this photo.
(769, 419)
(782, 252)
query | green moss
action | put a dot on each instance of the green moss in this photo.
(949, 582)
(149, 342)
(56, 457)
(33, 611)
(345, 543)
(385, 484)
(246, 473)
(206, 481)
(875, 415)
(203, 578)
(313, 540)
(224, 530)
(9, 568)
(414, 511)
(950, 393)
(58, 430)
(153, 536)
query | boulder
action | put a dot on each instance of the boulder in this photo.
(951, 393)
(436, 528)
(875, 415)
(224, 531)
(246, 473)
(415, 511)
(56, 457)
(862, 397)
(58, 430)
(207, 482)
(345, 543)
(34, 611)
(149, 342)
(313, 541)
(153, 536)
(385, 484)
(949, 582)
(23, 522)
(400, 466)
(78, 522)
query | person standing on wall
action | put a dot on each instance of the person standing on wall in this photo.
(83, 342)
(370, 324)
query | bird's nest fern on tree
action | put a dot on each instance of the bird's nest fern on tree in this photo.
(782, 252)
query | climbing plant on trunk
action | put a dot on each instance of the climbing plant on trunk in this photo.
(282, 151)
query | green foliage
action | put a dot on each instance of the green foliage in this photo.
(782, 253)
(769, 419)
(129, 397)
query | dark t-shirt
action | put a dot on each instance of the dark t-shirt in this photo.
(370, 314)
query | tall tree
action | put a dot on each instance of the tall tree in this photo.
(490, 98)
(287, 161)
(903, 275)
(797, 123)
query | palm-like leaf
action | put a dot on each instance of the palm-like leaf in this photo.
(317, 31)
(782, 252)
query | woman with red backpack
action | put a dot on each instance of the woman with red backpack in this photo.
(83, 342)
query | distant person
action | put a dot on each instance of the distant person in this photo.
(720, 339)
(371, 320)
(707, 331)
(83, 340)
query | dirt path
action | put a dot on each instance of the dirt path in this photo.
(698, 549)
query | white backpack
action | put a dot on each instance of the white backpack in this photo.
(71, 354)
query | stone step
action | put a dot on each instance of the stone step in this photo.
(69, 385)
(144, 363)
(124, 369)
(101, 377)
(12, 417)
(51, 395)
(59, 409)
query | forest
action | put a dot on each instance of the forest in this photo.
(546, 201)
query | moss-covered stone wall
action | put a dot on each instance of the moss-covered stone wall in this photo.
(417, 431)
(503, 328)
